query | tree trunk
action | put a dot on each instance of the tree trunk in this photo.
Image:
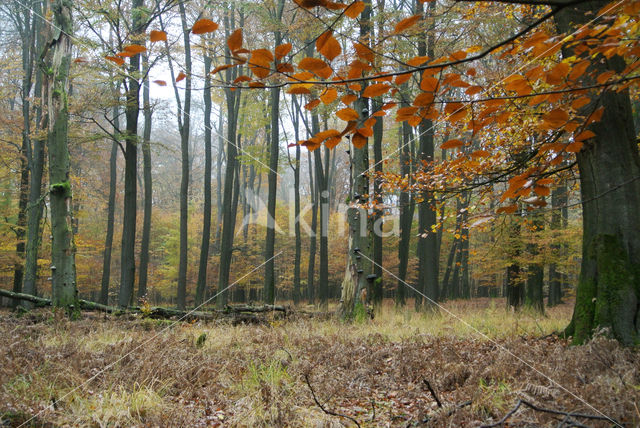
(558, 202)
(514, 287)
(314, 233)
(184, 126)
(127, 254)
(230, 181)
(206, 210)
(377, 219)
(148, 185)
(535, 277)
(608, 293)
(111, 208)
(407, 208)
(63, 268)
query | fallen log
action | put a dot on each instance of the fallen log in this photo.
(156, 312)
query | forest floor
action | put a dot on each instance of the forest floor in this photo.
(107, 371)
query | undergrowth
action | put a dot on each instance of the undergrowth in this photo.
(103, 371)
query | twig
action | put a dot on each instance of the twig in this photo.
(433, 393)
(328, 412)
(553, 412)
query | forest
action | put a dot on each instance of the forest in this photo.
(317, 213)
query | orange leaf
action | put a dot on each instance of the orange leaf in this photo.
(375, 90)
(354, 9)
(363, 51)
(298, 90)
(596, 116)
(313, 104)
(418, 60)
(365, 132)
(285, 67)
(429, 84)
(541, 190)
(348, 99)
(584, 135)
(574, 147)
(332, 142)
(423, 99)
(241, 79)
(256, 85)
(451, 144)
(406, 23)
(359, 140)
(329, 96)
(347, 114)
(480, 154)
(402, 78)
(556, 118)
(472, 90)
(157, 36)
(328, 46)
(115, 59)
(282, 50)
(204, 26)
(160, 82)
(312, 64)
(181, 76)
(235, 40)
(509, 209)
(379, 113)
(580, 102)
(458, 56)
(557, 74)
(579, 69)
(603, 77)
(221, 67)
(355, 87)
(134, 49)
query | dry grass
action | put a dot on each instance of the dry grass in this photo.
(255, 375)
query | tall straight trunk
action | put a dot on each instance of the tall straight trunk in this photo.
(230, 181)
(535, 271)
(514, 286)
(269, 268)
(447, 290)
(407, 208)
(111, 209)
(608, 293)
(558, 202)
(127, 253)
(184, 126)
(148, 185)
(323, 199)
(296, 205)
(63, 268)
(354, 284)
(377, 219)
(206, 210)
(465, 285)
(428, 245)
(36, 168)
(216, 245)
(314, 234)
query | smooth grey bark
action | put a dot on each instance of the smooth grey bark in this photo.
(323, 199)
(269, 294)
(428, 245)
(377, 218)
(295, 166)
(148, 185)
(311, 289)
(63, 268)
(132, 110)
(111, 209)
(514, 286)
(231, 185)
(407, 207)
(535, 271)
(219, 185)
(184, 126)
(558, 203)
(206, 209)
